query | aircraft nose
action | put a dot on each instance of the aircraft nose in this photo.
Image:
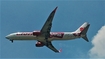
(8, 36)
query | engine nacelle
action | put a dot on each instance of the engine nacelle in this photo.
(39, 44)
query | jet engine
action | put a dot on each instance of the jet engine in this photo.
(39, 44)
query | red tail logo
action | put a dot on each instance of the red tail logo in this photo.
(81, 29)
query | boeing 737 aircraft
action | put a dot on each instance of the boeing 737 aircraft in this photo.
(44, 36)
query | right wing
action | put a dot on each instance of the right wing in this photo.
(50, 46)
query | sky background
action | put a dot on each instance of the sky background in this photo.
(30, 15)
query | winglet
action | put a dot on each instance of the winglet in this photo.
(55, 9)
(60, 50)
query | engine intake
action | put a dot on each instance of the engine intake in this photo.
(39, 44)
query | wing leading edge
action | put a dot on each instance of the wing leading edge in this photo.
(48, 24)
(45, 31)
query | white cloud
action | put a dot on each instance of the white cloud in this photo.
(98, 49)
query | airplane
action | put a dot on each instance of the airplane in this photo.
(45, 36)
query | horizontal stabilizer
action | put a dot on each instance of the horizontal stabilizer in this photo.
(85, 38)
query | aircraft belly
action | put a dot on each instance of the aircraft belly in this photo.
(25, 38)
(66, 37)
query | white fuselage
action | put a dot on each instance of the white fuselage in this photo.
(30, 36)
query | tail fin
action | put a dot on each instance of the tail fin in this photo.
(83, 30)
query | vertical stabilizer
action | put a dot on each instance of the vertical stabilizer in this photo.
(82, 27)
(83, 30)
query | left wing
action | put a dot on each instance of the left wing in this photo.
(45, 31)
